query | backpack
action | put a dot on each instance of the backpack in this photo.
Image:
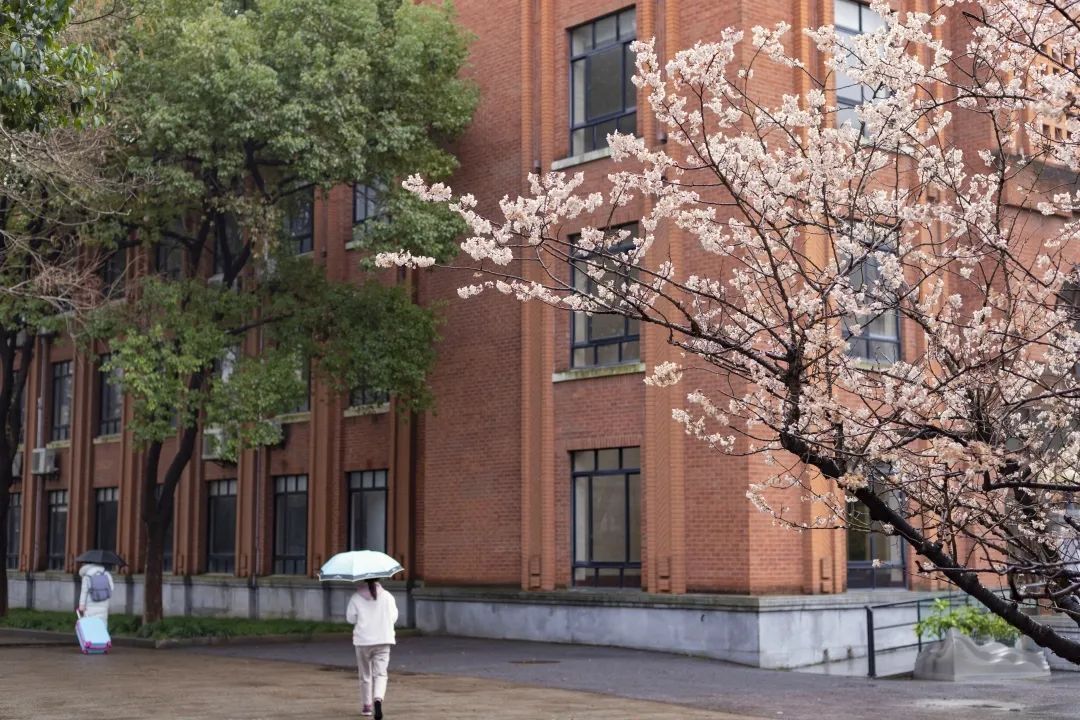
(99, 587)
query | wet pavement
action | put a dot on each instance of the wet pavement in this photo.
(698, 683)
(58, 683)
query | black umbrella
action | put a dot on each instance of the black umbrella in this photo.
(101, 557)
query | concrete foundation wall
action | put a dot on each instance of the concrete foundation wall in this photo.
(203, 595)
(762, 631)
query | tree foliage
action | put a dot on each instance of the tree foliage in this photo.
(243, 114)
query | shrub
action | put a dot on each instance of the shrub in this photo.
(972, 621)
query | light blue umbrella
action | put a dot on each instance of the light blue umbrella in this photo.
(357, 565)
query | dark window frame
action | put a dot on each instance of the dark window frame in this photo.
(286, 560)
(220, 492)
(588, 126)
(590, 347)
(233, 242)
(62, 387)
(361, 485)
(845, 105)
(106, 518)
(859, 345)
(868, 576)
(372, 195)
(112, 272)
(169, 258)
(56, 529)
(14, 530)
(110, 400)
(588, 564)
(301, 238)
(366, 396)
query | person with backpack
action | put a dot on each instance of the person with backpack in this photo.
(97, 590)
(372, 612)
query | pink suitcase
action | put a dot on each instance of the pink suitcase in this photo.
(93, 636)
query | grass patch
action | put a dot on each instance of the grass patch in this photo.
(171, 627)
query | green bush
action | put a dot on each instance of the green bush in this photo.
(972, 621)
(170, 628)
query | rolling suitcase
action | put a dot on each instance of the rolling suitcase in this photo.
(92, 635)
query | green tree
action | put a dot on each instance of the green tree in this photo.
(52, 90)
(242, 113)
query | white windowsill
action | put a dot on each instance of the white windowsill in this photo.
(373, 409)
(296, 417)
(598, 372)
(56, 444)
(110, 438)
(597, 154)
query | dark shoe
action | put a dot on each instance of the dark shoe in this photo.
(378, 710)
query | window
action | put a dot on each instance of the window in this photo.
(56, 530)
(290, 524)
(298, 219)
(364, 395)
(228, 244)
(62, 378)
(606, 502)
(14, 529)
(867, 545)
(105, 515)
(111, 272)
(852, 18)
(304, 375)
(878, 339)
(601, 338)
(169, 258)
(602, 97)
(110, 400)
(221, 527)
(367, 510)
(368, 205)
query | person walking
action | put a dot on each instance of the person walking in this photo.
(97, 590)
(372, 612)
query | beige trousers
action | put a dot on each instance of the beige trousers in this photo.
(371, 663)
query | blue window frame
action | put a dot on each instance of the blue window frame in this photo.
(298, 219)
(852, 19)
(600, 339)
(879, 336)
(110, 400)
(606, 510)
(367, 510)
(602, 97)
(290, 524)
(14, 529)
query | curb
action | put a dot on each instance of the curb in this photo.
(52, 636)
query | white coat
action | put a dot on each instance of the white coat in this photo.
(372, 618)
(91, 608)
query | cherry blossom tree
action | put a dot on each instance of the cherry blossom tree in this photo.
(944, 205)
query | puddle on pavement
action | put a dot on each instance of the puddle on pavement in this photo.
(971, 704)
(535, 662)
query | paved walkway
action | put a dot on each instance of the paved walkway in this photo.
(703, 684)
(58, 683)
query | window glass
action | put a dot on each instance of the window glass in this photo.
(367, 510)
(106, 504)
(599, 339)
(56, 529)
(221, 527)
(290, 525)
(62, 379)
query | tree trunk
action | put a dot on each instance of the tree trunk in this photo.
(5, 501)
(153, 607)
(158, 512)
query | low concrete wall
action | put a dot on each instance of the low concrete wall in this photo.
(204, 595)
(762, 631)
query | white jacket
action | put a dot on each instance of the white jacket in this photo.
(372, 619)
(94, 609)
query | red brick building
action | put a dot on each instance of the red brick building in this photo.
(547, 473)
